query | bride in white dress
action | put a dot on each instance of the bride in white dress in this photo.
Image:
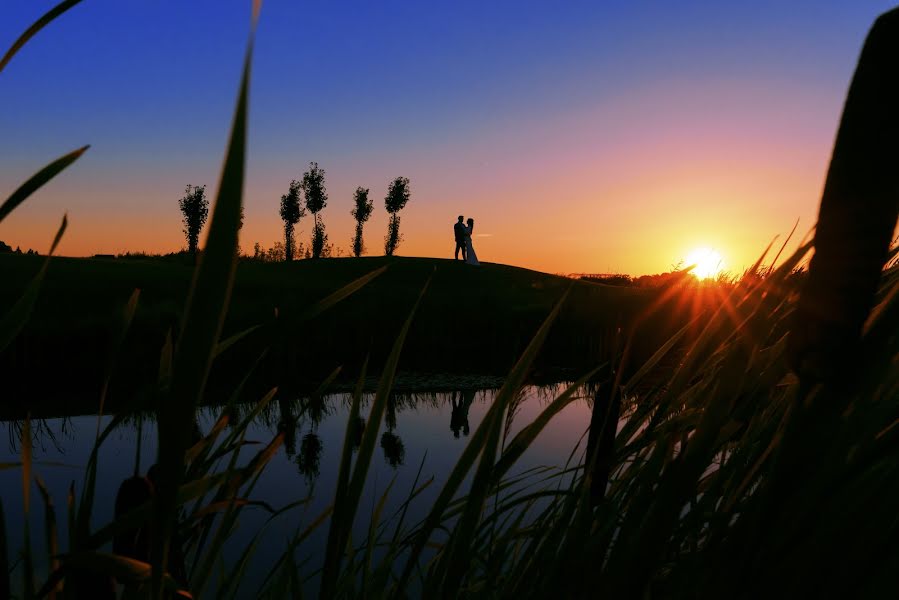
(472, 258)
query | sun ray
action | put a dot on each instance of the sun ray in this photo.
(706, 262)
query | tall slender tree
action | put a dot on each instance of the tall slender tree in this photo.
(397, 197)
(291, 212)
(361, 212)
(316, 199)
(194, 211)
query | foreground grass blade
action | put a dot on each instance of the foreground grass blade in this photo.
(523, 440)
(225, 344)
(456, 557)
(782, 248)
(347, 505)
(203, 319)
(341, 294)
(27, 566)
(123, 326)
(125, 570)
(476, 444)
(49, 530)
(346, 455)
(4, 556)
(39, 179)
(45, 20)
(15, 320)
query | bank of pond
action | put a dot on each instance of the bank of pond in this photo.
(290, 331)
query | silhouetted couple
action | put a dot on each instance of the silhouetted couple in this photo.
(463, 240)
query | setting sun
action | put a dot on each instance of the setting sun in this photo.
(708, 262)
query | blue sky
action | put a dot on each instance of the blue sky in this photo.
(471, 100)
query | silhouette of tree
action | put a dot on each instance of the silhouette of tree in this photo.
(195, 211)
(397, 197)
(276, 253)
(361, 212)
(291, 212)
(239, 228)
(316, 199)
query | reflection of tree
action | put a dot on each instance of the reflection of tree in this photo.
(41, 433)
(315, 408)
(358, 428)
(310, 456)
(390, 416)
(459, 415)
(394, 450)
(287, 424)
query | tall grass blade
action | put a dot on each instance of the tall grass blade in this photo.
(4, 556)
(45, 20)
(254, 469)
(326, 383)
(475, 446)
(346, 455)
(658, 355)
(50, 530)
(139, 514)
(523, 440)
(373, 523)
(227, 343)
(286, 559)
(348, 504)
(203, 319)
(123, 325)
(125, 570)
(349, 289)
(71, 514)
(38, 180)
(782, 248)
(166, 357)
(15, 320)
(27, 564)
(85, 507)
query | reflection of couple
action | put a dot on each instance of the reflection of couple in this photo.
(463, 241)
(459, 415)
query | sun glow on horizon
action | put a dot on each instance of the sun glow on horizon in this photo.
(706, 262)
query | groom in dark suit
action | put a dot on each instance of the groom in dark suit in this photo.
(459, 231)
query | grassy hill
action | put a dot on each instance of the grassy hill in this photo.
(471, 320)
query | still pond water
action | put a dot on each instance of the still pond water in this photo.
(422, 429)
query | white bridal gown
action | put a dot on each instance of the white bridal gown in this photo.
(472, 257)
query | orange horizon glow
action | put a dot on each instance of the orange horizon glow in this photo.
(667, 188)
(602, 138)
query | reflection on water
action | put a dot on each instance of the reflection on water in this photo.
(461, 402)
(429, 428)
(309, 458)
(53, 433)
(394, 450)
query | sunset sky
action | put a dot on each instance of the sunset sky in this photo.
(582, 136)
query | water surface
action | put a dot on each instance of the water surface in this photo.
(422, 430)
